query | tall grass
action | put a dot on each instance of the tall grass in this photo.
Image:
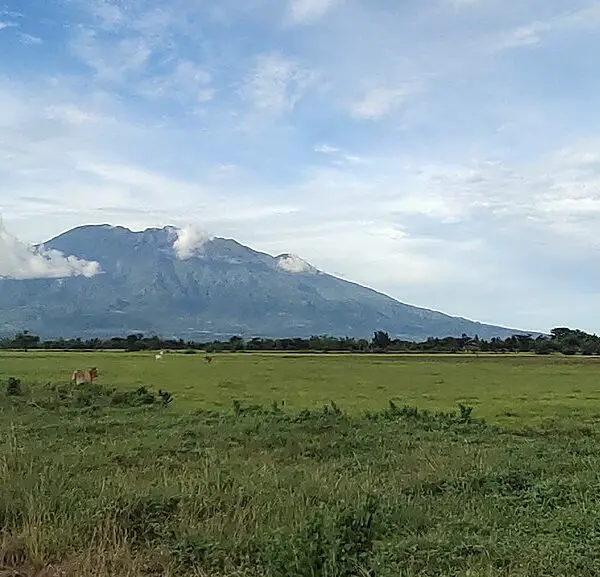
(100, 488)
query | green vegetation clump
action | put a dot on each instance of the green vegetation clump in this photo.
(13, 387)
(94, 395)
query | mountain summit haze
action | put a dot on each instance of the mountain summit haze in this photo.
(183, 284)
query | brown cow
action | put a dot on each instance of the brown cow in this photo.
(86, 376)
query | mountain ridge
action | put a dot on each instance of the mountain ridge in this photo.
(220, 288)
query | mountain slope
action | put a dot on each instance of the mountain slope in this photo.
(225, 288)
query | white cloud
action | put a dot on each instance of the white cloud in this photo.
(337, 156)
(73, 114)
(520, 37)
(186, 81)
(364, 247)
(189, 240)
(532, 34)
(307, 11)
(108, 14)
(30, 40)
(294, 264)
(275, 84)
(112, 62)
(326, 149)
(134, 48)
(10, 13)
(380, 102)
(151, 20)
(67, 158)
(21, 261)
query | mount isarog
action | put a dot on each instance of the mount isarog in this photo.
(223, 288)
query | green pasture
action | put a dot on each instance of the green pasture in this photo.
(112, 480)
(504, 388)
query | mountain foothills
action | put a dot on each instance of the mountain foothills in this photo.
(158, 281)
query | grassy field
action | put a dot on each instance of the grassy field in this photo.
(110, 480)
(503, 388)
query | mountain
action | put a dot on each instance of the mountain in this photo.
(222, 289)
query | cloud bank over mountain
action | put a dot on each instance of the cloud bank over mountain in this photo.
(189, 240)
(21, 261)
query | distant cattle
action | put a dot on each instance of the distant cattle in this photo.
(159, 356)
(208, 359)
(86, 376)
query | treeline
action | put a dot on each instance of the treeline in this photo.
(561, 340)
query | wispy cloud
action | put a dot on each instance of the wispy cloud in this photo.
(186, 81)
(379, 102)
(116, 62)
(338, 157)
(30, 40)
(532, 34)
(307, 11)
(275, 84)
(326, 149)
(108, 14)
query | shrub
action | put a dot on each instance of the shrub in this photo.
(141, 396)
(465, 413)
(13, 387)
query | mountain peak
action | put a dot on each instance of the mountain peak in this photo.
(180, 282)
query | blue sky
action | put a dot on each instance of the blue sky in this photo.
(446, 152)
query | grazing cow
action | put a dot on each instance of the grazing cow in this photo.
(159, 356)
(86, 376)
(208, 359)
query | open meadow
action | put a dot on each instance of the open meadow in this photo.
(299, 465)
(520, 389)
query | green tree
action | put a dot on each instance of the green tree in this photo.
(543, 346)
(26, 341)
(590, 347)
(570, 345)
(560, 333)
(236, 343)
(381, 340)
